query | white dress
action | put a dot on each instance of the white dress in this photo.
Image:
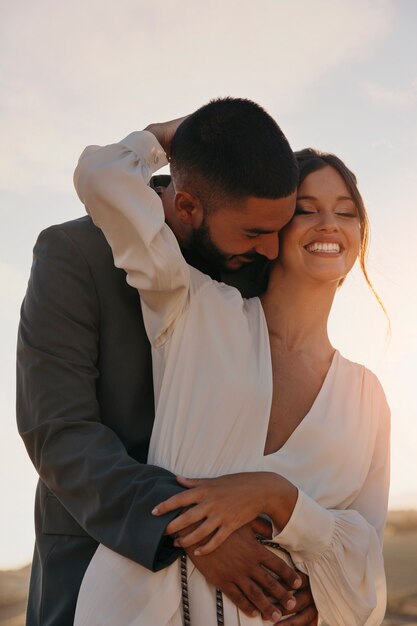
(213, 391)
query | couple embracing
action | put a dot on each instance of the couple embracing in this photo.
(263, 470)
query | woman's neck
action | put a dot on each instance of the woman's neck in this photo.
(297, 311)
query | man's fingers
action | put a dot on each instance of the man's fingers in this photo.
(278, 566)
(305, 581)
(275, 589)
(303, 599)
(262, 527)
(306, 617)
(240, 600)
(264, 604)
(247, 573)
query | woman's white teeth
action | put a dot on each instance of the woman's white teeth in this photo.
(319, 246)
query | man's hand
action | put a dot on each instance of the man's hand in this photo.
(304, 613)
(246, 572)
(164, 132)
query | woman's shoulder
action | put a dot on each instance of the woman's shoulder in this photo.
(359, 369)
(367, 380)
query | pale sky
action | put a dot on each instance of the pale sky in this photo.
(339, 75)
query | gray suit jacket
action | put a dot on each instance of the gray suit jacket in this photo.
(85, 412)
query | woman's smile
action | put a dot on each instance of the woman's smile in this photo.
(324, 248)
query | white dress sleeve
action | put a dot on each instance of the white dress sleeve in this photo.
(112, 183)
(341, 550)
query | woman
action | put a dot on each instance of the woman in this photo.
(311, 437)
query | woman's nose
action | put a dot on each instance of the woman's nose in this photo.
(328, 223)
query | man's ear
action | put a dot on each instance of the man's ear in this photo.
(189, 209)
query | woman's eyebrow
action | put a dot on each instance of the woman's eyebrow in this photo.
(317, 199)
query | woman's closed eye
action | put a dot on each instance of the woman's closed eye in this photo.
(304, 211)
(347, 213)
(340, 212)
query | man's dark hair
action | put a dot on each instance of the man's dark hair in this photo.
(160, 180)
(231, 149)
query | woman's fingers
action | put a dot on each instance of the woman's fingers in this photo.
(189, 517)
(201, 533)
(179, 501)
(214, 542)
(196, 514)
(188, 482)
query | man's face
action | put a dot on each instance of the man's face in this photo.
(233, 236)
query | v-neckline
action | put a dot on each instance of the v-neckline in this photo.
(307, 415)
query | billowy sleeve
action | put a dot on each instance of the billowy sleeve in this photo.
(112, 183)
(341, 550)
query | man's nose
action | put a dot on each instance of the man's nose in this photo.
(268, 246)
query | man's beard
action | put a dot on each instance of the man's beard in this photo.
(201, 243)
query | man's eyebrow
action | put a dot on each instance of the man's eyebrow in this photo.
(259, 231)
(317, 199)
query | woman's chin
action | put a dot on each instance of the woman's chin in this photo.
(327, 269)
(325, 275)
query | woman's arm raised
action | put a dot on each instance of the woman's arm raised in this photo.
(112, 182)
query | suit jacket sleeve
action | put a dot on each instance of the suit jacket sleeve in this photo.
(79, 458)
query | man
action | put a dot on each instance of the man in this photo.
(85, 401)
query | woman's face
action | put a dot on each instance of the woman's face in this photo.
(322, 240)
